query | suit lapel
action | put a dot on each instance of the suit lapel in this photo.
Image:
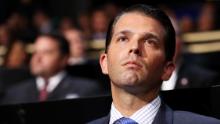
(58, 91)
(103, 120)
(62, 89)
(164, 115)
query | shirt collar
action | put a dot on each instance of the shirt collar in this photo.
(144, 115)
(53, 81)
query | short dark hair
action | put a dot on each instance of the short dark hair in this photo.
(61, 40)
(155, 13)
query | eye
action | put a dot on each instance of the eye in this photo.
(122, 39)
(151, 42)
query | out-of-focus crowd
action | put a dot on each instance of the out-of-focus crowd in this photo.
(20, 36)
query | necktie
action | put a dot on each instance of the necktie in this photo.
(124, 120)
(43, 92)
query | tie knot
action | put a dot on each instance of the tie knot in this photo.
(125, 120)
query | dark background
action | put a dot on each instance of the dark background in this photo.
(72, 8)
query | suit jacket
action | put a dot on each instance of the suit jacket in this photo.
(69, 87)
(192, 75)
(166, 115)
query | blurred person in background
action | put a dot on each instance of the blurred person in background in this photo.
(51, 82)
(19, 26)
(186, 74)
(42, 22)
(15, 67)
(199, 70)
(79, 64)
(16, 23)
(99, 23)
(65, 23)
(77, 46)
(206, 19)
(4, 35)
(186, 24)
(111, 10)
(16, 56)
(83, 21)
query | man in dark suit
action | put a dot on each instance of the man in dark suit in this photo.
(140, 46)
(191, 75)
(51, 52)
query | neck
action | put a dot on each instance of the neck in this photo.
(48, 76)
(128, 103)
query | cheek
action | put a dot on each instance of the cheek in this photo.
(53, 61)
(35, 60)
(115, 58)
(49, 61)
(156, 60)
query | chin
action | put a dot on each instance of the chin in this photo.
(130, 77)
(129, 82)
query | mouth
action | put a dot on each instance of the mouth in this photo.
(132, 64)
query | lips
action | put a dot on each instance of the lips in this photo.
(132, 64)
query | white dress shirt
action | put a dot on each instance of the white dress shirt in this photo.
(53, 81)
(145, 115)
(171, 83)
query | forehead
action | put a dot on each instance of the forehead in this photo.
(139, 23)
(45, 42)
(73, 35)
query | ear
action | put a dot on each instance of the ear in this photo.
(103, 63)
(168, 70)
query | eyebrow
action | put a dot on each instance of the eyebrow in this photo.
(145, 34)
(125, 32)
(151, 35)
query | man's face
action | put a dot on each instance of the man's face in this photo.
(136, 58)
(47, 59)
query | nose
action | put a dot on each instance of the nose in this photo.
(135, 48)
(36, 57)
(135, 51)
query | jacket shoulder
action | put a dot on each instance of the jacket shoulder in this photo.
(75, 81)
(102, 120)
(183, 117)
(82, 86)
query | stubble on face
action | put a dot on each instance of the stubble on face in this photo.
(130, 71)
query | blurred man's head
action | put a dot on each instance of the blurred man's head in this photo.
(76, 42)
(99, 21)
(50, 55)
